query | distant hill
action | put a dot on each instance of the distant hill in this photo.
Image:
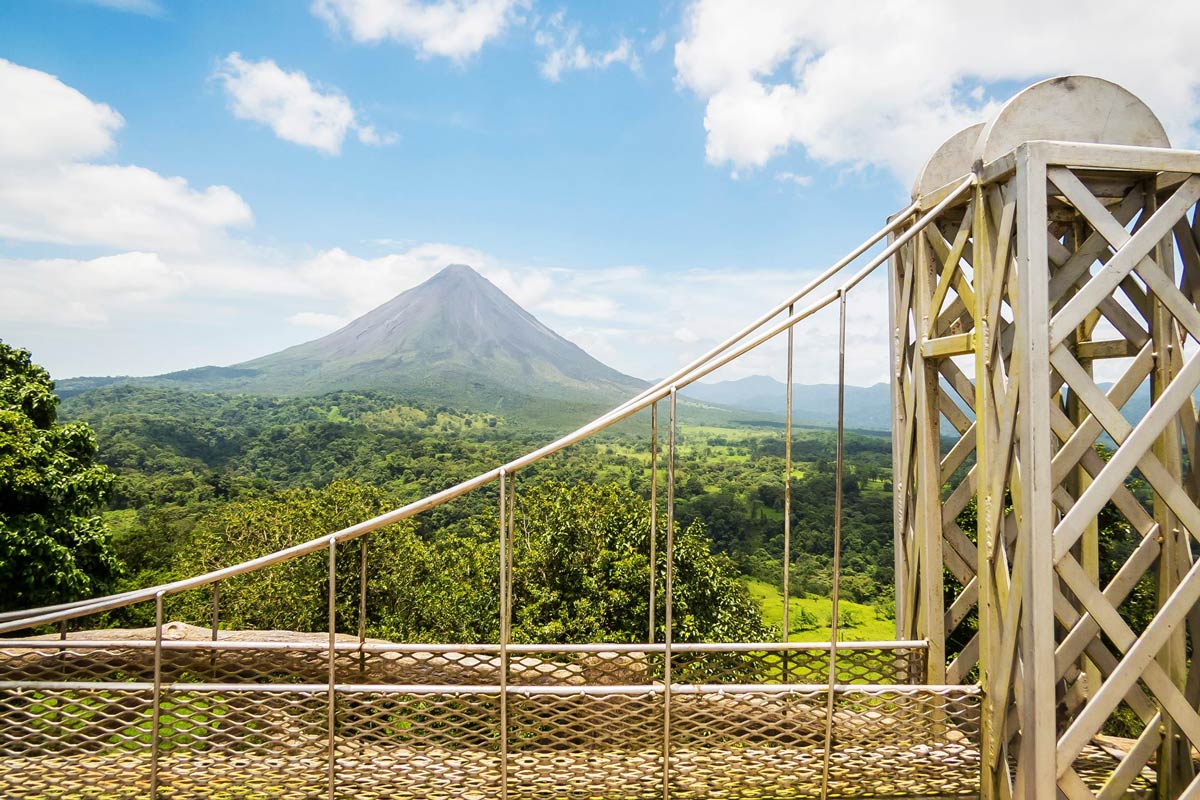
(867, 407)
(454, 339)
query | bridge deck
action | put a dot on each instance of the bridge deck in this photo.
(252, 719)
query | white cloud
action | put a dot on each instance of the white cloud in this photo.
(796, 180)
(53, 192)
(45, 120)
(564, 51)
(640, 322)
(316, 320)
(112, 205)
(840, 82)
(87, 293)
(289, 104)
(356, 285)
(456, 29)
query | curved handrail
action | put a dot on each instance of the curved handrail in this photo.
(716, 358)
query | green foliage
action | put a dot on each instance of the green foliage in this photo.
(580, 570)
(183, 456)
(849, 619)
(53, 544)
(804, 621)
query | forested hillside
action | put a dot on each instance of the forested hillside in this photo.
(191, 467)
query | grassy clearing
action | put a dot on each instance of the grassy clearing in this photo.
(870, 628)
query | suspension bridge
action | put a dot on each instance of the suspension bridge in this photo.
(1057, 242)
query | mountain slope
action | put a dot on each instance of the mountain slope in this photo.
(455, 330)
(455, 339)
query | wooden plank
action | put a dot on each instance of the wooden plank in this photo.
(958, 453)
(1038, 703)
(958, 344)
(1106, 348)
(1189, 253)
(928, 457)
(962, 605)
(950, 258)
(1076, 443)
(1084, 631)
(958, 381)
(1113, 156)
(1132, 249)
(1130, 767)
(964, 662)
(1169, 295)
(951, 411)
(1138, 662)
(1133, 452)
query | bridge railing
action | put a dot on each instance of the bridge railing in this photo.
(329, 714)
(194, 718)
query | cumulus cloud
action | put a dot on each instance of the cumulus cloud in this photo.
(455, 29)
(53, 191)
(84, 293)
(118, 206)
(45, 120)
(636, 320)
(565, 52)
(839, 82)
(291, 106)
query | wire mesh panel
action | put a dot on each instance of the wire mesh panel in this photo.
(585, 745)
(431, 745)
(798, 663)
(217, 744)
(433, 665)
(747, 743)
(103, 662)
(250, 719)
(911, 742)
(76, 742)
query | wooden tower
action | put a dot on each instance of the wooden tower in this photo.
(1036, 492)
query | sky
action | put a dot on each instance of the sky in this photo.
(187, 183)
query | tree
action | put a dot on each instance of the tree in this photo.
(54, 546)
(580, 563)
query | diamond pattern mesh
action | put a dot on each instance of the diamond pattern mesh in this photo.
(244, 721)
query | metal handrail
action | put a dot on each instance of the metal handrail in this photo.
(721, 356)
(457, 649)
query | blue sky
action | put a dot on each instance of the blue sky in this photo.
(630, 171)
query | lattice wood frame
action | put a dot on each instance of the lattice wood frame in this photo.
(997, 326)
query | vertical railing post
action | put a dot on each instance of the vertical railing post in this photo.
(787, 499)
(156, 708)
(362, 607)
(331, 718)
(504, 582)
(216, 622)
(896, 359)
(837, 542)
(653, 514)
(668, 601)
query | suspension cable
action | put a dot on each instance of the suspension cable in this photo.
(723, 354)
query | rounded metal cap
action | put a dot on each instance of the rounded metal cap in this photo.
(1073, 108)
(953, 159)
